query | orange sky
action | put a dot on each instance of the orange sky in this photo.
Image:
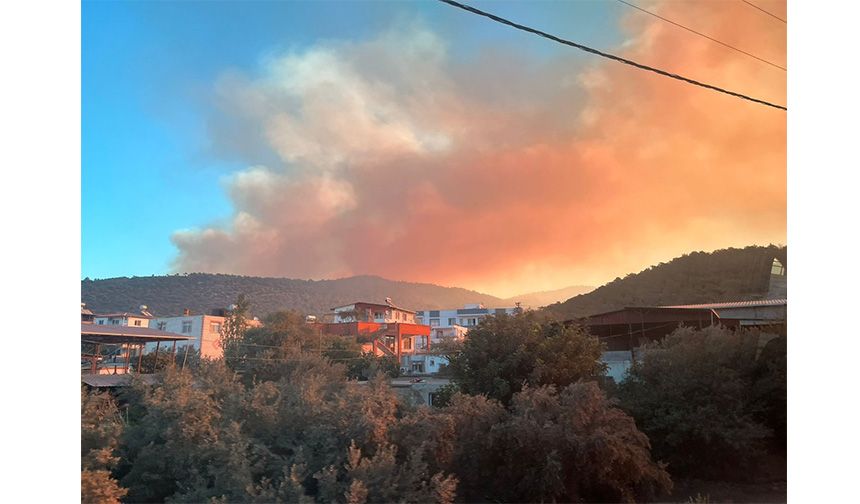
(505, 174)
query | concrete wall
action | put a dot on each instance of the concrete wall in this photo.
(123, 321)
(465, 317)
(203, 328)
(371, 313)
(431, 363)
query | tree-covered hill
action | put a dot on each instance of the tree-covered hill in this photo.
(202, 292)
(699, 277)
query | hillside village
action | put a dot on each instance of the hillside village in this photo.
(418, 339)
(678, 370)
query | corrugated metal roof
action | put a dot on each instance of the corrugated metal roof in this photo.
(132, 332)
(734, 304)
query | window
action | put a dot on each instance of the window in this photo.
(377, 315)
(452, 321)
(114, 321)
(407, 343)
(137, 322)
(434, 322)
(186, 326)
(462, 321)
(419, 320)
(162, 326)
(215, 327)
(440, 333)
(472, 321)
(101, 322)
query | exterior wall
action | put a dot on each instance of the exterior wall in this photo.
(778, 285)
(754, 315)
(467, 317)
(618, 363)
(420, 393)
(369, 312)
(122, 321)
(391, 340)
(423, 364)
(205, 329)
(210, 346)
(455, 332)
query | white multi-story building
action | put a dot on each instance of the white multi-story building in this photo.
(141, 319)
(373, 312)
(453, 322)
(204, 329)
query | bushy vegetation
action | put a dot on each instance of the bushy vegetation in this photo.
(699, 277)
(283, 419)
(279, 421)
(286, 344)
(570, 445)
(711, 401)
(504, 353)
(313, 437)
(101, 427)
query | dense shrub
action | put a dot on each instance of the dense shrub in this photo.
(706, 402)
(569, 446)
(101, 427)
(504, 353)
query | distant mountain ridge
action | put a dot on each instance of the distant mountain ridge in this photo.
(202, 292)
(543, 298)
(699, 277)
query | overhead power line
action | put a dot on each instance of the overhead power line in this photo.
(609, 56)
(766, 12)
(679, 25)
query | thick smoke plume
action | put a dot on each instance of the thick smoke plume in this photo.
(502, 173)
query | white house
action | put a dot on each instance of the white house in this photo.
(205, 331)
(468, 316)
(124, 318)
(373, 312)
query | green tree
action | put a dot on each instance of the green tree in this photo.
(694, 394)
(182, 446)
(101, 426)
(384, 478)
(504, 353)
(286, 345)
(571, 446)
(234, 327)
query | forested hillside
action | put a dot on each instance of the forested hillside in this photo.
(699, 277)
(202, 292)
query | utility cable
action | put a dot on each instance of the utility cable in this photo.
(766, 12)
(609, 56)
(679, 25)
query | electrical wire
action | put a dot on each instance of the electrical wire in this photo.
(679, 25)
(766, 12)
(610, 56)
